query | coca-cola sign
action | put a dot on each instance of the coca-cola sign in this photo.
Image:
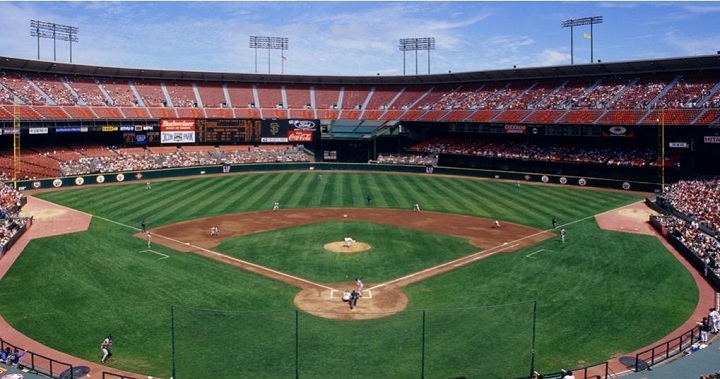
(300, 135)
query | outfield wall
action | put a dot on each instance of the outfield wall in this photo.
(570, 180)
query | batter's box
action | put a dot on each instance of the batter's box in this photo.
(162, 256)
(362, 294)
(532, 255)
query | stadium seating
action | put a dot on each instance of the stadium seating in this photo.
(612, 100)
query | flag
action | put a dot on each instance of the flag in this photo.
(587, 35)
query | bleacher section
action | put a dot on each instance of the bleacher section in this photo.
(690, 97)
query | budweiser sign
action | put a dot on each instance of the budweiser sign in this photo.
(177, 125)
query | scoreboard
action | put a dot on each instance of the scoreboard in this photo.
(228, 130)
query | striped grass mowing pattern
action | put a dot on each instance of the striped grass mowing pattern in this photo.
(598, 294)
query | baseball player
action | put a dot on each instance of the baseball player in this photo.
(149, 240)
(353, 299)
(276, 206)
(105, 346)
(143, 226)
(147, 185)
(562, 235)
(495, 224)
(214, 231)
(554, 222)
(416, 207)
(360, 286)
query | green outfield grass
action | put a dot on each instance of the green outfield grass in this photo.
(599, 294)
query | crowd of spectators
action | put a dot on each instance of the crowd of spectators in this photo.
(408, 159)
(612, 156)
(699, 199)
(11, 224)
(121, 160)
(613, 92)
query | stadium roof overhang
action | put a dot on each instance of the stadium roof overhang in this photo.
(653, 66)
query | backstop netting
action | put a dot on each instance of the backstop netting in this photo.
(478, 342)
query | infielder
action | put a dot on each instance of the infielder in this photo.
(276, 206)
(149, 239)
(562, 235)
(416, 207)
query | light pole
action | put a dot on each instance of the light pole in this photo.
(270, 43)
(582, 21)
(423, 43)
(56, 32)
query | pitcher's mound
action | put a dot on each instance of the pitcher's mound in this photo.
(341, 247)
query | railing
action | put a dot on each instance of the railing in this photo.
(39, 363)
(49, 367)
(656, 354)
(110, 375)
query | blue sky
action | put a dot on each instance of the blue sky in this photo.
(358, 38)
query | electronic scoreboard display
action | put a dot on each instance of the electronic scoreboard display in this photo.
(227, 131)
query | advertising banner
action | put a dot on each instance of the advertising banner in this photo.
(300, 135)
(71, 129)
(177, 131)
(38, 130)
(293, 131)
(617, 131)
(711, 139)
(515, 129)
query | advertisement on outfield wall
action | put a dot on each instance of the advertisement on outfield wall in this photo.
(177, 130)
(711, 139)
(289, 131)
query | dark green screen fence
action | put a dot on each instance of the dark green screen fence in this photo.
(477, 342)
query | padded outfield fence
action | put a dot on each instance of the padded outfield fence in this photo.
(478, 342)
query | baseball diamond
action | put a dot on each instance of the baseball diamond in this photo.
(484, 224)
(248, 237)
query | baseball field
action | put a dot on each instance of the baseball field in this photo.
(445, 294)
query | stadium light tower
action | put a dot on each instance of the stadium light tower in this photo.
(270, 43)
(578, 22)
(423, 43)
(56, 32)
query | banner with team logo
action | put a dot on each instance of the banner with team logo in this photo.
(617, 131)
(292, 131)
(177, 131)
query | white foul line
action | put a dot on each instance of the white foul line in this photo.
(156, 252)
(535, 252)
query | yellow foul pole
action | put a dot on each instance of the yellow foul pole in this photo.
(16, 143)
